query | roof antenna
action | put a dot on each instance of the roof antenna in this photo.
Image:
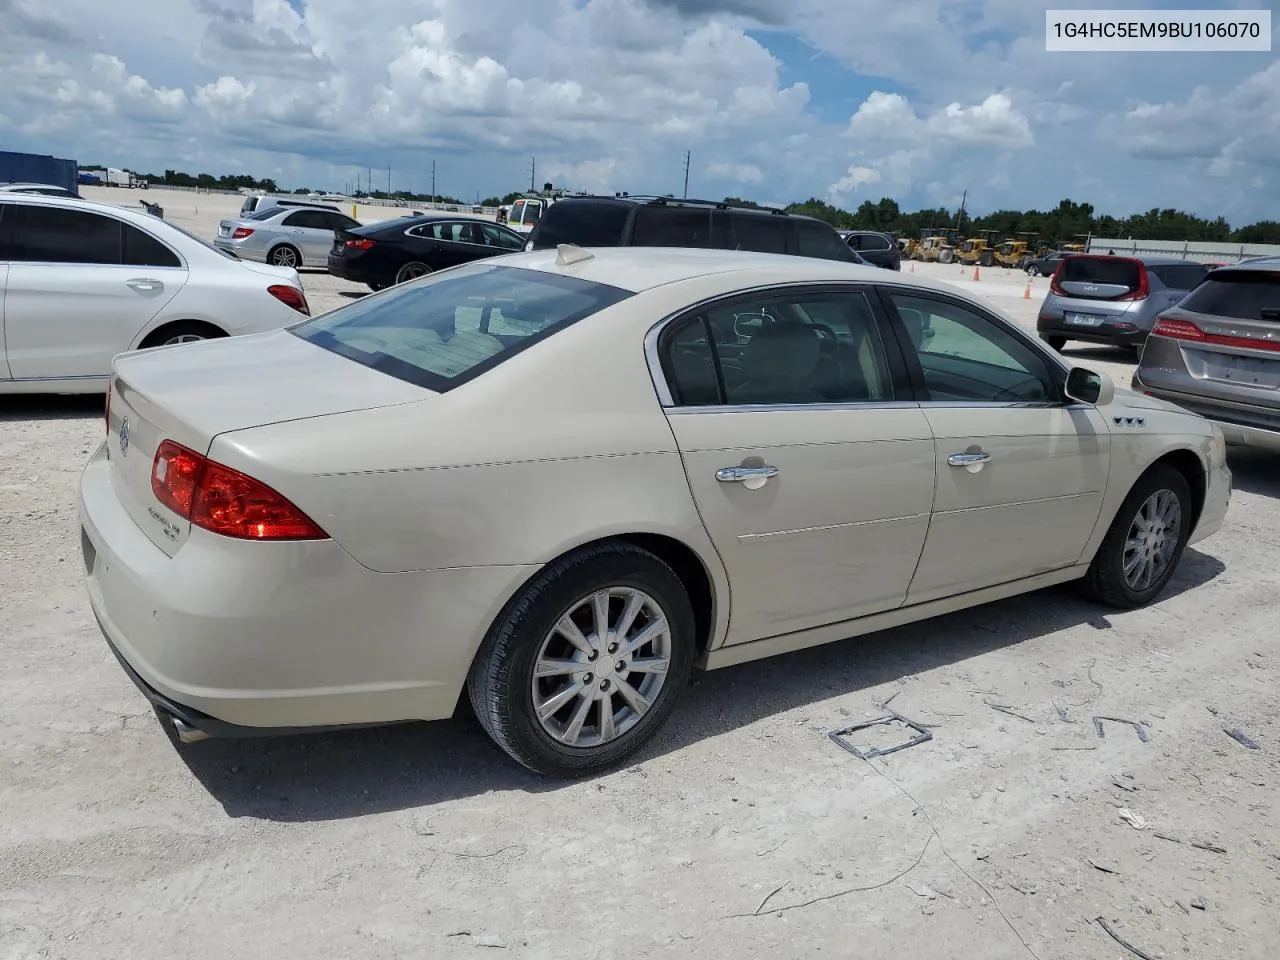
(568, 254)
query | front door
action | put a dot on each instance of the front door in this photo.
(813, 475)
(81, 286)
(1021, 473)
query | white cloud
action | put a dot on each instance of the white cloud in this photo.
(854, 178)
(738, 172)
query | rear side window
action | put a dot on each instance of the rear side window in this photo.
(1180, 276)
(52, 235)
(445, 330)
(758, 233)
(815, 239)
(661, 226)
(584, 224)
(1102, 270)
(869, 241)
(143, 250)
(1240, 294)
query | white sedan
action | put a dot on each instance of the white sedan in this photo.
(556, 482)
(82, 281)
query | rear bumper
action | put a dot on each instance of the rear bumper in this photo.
(240, 250)
(1106, 333)
(1239, 425)
(279, 636)
(343, 269)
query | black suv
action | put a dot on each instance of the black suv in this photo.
(627, 221)
(878, 249)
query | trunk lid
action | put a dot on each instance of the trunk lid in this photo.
(1238, 313)
(1101, 278)
(191, 393)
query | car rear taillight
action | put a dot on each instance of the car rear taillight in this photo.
(1186, 330)
(361, 244)
(1144, 285)
(241, 232)
(1054, 288)
(291, 296)
(225, 501)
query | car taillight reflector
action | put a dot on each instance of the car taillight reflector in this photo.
(225, 501)
(1054, 288)
(361, 244)
(1144, 286)
(1186, 330)
(291, 296)
(241, 232)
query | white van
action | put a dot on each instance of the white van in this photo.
(259, 201)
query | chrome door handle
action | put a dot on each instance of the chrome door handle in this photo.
(967, 459)
(144, 284)
(742, 474)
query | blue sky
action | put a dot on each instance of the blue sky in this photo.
(847, 100)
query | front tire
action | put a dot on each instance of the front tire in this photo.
(1033, 271)
(1145, 542)
(586, 664)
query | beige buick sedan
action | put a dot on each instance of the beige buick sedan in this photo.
(556, 482)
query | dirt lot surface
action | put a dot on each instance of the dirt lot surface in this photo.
(744, 831)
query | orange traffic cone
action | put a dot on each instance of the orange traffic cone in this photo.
(1026, 294)
(977, 274)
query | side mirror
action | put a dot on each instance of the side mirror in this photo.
(1088, 386)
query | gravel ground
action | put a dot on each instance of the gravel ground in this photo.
(743, 832)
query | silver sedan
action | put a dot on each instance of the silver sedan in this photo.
(285, 236)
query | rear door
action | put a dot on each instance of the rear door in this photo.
(312, 232)
(80, 288)
(812, 474)
(1020, 473)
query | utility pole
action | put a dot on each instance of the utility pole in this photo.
(369, 178)
(688, 154)
(960, 214)
(433, 181)
(388, 179)
(533, 167)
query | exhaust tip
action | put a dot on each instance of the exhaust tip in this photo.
(185, 732)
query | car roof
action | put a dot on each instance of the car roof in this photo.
(685, 202)
(643, 268)
(16, 186)
(1265, 264)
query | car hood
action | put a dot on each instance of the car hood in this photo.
(1140, 401)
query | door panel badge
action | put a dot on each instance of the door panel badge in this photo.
(1129, 421)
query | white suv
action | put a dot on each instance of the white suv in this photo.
(81, 282)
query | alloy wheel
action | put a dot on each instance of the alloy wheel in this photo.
(1152, 539)
(601, 667)
(284, 257)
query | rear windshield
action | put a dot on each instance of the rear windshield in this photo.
(450, 328)
(815, 239)
(1101, 270)
(1240, 294)
(584, 224)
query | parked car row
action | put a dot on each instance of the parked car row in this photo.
(83, 281)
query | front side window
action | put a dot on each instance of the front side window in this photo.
(797, 348)
(815, 239)
(54, 235)
(446, 330)
(966, 356)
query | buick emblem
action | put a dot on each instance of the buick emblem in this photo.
(124, 437)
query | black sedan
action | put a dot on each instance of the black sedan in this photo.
(394, 251)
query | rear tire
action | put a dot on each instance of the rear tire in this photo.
(505, 687)
(1145, 541)
(283, 255)
(183, 331)
(1033, 271)
(412, 271)
(1057, 343)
